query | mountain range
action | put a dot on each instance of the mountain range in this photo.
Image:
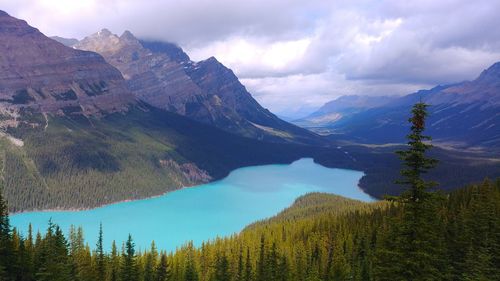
(162, 75)
(41, 75)
(461, 115)
(80, 129)
(77, 134)
(341, 108)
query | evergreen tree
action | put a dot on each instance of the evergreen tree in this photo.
(163, 272)
(262, 263)
(239, 273)
(272, 263)
(150, 263)
(222, 268)
(129, 271)
(413, 248)
(53, 258)
(100, 258)
(114, 263)
(191, 274)
(248, 267)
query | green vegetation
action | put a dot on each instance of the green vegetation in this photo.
(73, 162)
(77, 162)
(321, 237)
(420, 235)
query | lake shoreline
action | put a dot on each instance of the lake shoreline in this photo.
(216, 209)
(104, 205)
(54, 210)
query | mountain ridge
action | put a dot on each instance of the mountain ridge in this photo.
(46, 76)
(341, 107)
(461, 115)
(163, 75)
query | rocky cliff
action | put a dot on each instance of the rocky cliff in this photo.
(162, 75)
(41, 75)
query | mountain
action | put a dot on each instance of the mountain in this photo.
(74, 136)
(162, 75)
(342, 107)
(461, 115)
(41, 75)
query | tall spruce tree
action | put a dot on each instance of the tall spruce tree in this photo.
(412, 247)
(100, 256)
(163, 272)
(191, 274)
(114, 263)
(129, 270)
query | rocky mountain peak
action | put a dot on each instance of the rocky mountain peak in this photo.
(161, 74)
(46, 76)
(107, 43)
(127, 35)
(104, 33)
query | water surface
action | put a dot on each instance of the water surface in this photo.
(206, 211)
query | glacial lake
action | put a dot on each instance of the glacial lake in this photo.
(202, 212)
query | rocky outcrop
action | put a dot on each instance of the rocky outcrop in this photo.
(43, 75)
(162, 75)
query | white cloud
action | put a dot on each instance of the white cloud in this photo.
(255, 57)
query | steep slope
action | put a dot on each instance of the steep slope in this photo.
(41, 75)
(86, 162)
(342, 107)
(74, 136)
(162, 75)
(461, 115)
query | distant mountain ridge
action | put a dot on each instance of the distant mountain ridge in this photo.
(162, 74)
(342, 107)
(465, 114)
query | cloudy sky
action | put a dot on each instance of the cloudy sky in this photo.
(294, 55)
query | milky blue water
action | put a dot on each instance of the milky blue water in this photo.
(206, 211)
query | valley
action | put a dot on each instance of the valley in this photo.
(126, 157)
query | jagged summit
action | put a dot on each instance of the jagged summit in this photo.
(162, 74)
(127, 35)
(104, 32)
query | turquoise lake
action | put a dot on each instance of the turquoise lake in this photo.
(206, 211)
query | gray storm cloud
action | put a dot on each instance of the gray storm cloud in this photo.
(295, 55)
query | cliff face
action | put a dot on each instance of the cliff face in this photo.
(42, 75)
(162, 75)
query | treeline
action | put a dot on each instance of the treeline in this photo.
(331, 243)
